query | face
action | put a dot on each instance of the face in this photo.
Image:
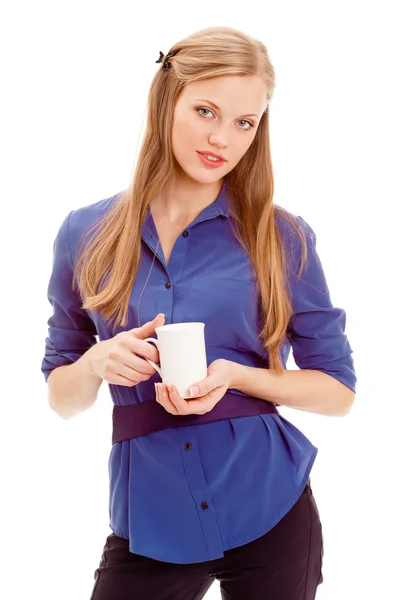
(219, 115)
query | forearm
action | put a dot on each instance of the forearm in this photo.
(73, 388)
(303, 389)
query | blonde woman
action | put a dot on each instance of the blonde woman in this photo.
(214, 488)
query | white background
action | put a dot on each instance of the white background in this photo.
(75, 77)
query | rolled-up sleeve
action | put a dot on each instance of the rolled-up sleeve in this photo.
(71, 331)
(316, 329)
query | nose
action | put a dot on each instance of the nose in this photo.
(219, 137)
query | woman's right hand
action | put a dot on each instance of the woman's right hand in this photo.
(116, 360)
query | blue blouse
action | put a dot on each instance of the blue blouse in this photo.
(187, 503)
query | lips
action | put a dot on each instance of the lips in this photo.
(213, 154)
(210, 163)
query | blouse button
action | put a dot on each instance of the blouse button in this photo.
(168, 285)
(204, 505)
(185, 233)
(188, 446)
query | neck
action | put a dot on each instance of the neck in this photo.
(185, 199)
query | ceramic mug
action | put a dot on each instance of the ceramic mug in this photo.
(182, 352)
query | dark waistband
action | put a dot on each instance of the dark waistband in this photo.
(143, 418)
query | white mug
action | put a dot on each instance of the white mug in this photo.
(182, 352)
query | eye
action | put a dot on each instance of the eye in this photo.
(206, 109)
(246, 121)
(250, 124)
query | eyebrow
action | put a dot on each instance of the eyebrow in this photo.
(218, 108)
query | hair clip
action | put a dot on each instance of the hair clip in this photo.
(162, 57)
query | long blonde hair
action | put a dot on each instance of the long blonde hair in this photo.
(107, 267)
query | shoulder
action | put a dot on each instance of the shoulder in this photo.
(298, 240)
(85, 216)
(289, 224)
(82, 219)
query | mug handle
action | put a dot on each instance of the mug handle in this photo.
(153, 364)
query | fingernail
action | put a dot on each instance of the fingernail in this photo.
(160, 315)
(169, 386)
(194, 390)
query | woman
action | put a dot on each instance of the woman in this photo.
(197, 237)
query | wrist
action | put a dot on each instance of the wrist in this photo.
(90, 357)
(236, 374)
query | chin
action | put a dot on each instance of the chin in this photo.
(205, 176)
(199, 174)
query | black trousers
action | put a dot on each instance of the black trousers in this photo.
(283, 564)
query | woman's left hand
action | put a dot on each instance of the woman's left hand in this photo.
(217, 382)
